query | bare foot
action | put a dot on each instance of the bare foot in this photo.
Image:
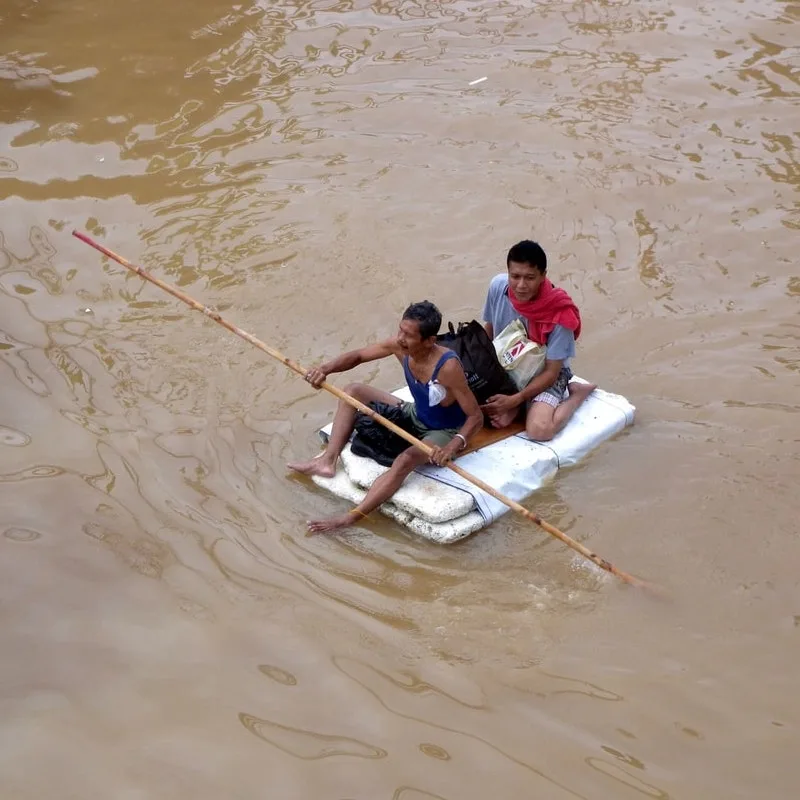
(504, 420)
(332, 524)
(317, 466)
(582, 390)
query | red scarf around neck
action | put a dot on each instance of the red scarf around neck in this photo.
(552, 306)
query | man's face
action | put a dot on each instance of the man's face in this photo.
(524, 281)
(408, 336)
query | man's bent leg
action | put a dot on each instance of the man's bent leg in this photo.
(544, 420)
(578, 392)
(343, 424)
(380, 491)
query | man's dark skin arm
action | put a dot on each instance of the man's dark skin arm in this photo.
(347, 361)
(452, 377)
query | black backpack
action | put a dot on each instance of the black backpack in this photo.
(485, 374)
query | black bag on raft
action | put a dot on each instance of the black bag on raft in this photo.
(373, 440)
(485, 374)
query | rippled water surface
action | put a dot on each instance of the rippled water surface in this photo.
(167, 629)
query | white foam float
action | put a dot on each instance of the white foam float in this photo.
(440, 506)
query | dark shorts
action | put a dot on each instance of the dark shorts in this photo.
(557, 393)
(435, 436)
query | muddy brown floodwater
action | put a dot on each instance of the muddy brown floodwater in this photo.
(167, 629)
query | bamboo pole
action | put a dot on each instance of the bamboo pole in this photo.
(410, 438)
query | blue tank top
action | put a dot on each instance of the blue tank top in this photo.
(434, 417)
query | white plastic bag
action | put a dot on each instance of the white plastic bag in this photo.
(520, 357)
(436, 393)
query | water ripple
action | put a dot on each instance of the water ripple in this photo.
(308, 745)
(277, 674)
(36, 472)
(21, 535)
(12, 437)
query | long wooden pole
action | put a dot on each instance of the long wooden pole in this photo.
(483, 486)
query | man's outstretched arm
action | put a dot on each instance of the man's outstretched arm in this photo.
(347, 361)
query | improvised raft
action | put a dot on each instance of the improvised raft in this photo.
(438, 505)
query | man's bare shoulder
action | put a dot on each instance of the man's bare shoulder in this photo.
(451, 370)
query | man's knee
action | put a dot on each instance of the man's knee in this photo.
(355, 389)
(539, 431)
(408, 460)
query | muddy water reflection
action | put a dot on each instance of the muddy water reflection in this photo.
(308, 169)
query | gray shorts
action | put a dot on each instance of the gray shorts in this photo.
(557, 393)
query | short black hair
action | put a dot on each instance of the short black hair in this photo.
(528, 252)
(427, 316)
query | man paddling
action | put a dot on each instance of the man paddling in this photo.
(552, 320)
(444, 413)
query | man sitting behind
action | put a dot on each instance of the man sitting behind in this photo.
(444, 413)
(552, 320)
